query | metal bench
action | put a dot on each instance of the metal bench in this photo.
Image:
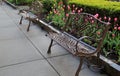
(1, 1)
(82, 36)
(36, 8)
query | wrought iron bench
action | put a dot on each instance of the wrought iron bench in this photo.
(82, 36)
(1, 1)
(36, 8)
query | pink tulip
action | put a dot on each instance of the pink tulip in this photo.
(68, 7)
(54, 11)
(96, 15)
(67, 15)
(105, 17)
(76, 8)
(115, 28)
(92, 21)
(73, 11)
(119, 28)
(73, 5)
(109, 19)
(115, 19)
(79, 11)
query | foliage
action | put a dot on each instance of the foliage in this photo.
(20, 2)
(112, 42)
(58, 16)
(48, 4)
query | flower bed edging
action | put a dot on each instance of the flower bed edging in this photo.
(12, 5)
(111, 68)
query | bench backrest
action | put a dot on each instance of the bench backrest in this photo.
(85, 24)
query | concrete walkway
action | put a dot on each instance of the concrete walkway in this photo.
(24, 53)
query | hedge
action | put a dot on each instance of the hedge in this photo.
(103, 7)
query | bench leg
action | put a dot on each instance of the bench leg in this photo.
(80, 66)
(28, 25)
(21, 20)
(49, 49)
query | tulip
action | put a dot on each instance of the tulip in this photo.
(115, 19)
(98, 33)
(68, 7)
(67, 15)
(105, 17)
(109, 19)
(73, 5)
(73, 11)
(92, 21)
(113, 35)
(76, 8)
(119, 28)
(96, 15)
(115, 28)
(79, 11)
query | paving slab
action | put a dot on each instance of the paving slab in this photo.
(17, 51)
(6, 23)
(35, 68)
(42, 43)
(34, 31)
(12, 13)
(4, 16)
(10, 33)
(68, 64)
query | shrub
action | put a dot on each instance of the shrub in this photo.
(105, 8)
(48, 4)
